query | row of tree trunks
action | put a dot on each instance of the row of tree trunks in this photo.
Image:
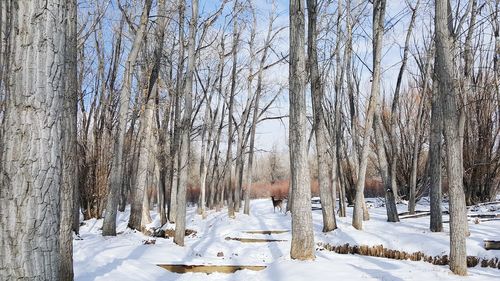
(116, 177)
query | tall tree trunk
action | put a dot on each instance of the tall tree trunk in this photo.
(417, 138)
(174, 150)
(395, 103)
(69, 138)
(390, 200)
(378, 31)
(184, 154)
(205, 144)
(255, 115)
(139, 213)
(454, 161)
(319, 124)
(230, 124)
(436, 224)
(251, 46)
(302, 246)
(31, 143)
(342, 197)
(116, 177)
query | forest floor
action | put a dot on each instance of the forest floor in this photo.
(127, 257)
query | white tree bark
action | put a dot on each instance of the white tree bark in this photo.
(31, 144)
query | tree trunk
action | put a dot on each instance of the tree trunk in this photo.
(69, 138)
(180, 222)
(174, 152)
(248, 190)
(205, 144)
(31, 143)
(390, 199)
(395, 103)
(342, 196)
(139, 212)
(302, 246)
(435, 162)
(116, 177)
(230, 124)
(257, 95)
(417, 140)
(448, 95)
(319, 124)
(378, 31)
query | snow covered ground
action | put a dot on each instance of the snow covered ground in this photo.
(125, 257)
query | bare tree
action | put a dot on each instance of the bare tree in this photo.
(378, 33)
(302, 247)
(319, 123)
(256, 96)
(116, 178)
(174, 148)
(454, 161)
(184, 153)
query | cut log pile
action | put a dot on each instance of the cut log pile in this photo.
(381, 251)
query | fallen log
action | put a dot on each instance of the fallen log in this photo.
(484, 216)
(423, 214)
(183, 268)
(494, 219)
(416, 212)
(266, 232)
(253, 240)
(492, 244)
(484, 204)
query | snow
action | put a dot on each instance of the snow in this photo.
(125, 257)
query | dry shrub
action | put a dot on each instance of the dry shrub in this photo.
(374, 188)
(279, 189)
(193, 193)
(265, 189)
